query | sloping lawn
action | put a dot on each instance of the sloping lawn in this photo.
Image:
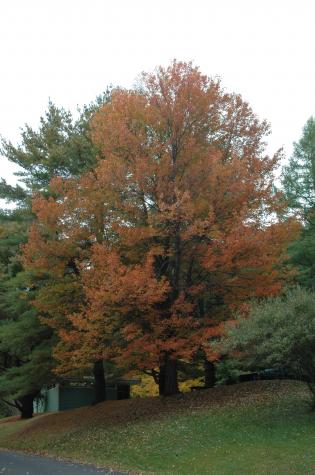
(252, 428)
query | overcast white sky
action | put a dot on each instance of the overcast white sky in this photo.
(71, 50)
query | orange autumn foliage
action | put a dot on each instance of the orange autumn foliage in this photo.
(176, 226)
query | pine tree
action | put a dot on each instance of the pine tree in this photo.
(25, 344)
(299, 175)
(61, 146)
(299, 185)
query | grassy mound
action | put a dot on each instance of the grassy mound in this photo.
(260, 427)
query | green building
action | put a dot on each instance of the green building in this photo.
(72, 393)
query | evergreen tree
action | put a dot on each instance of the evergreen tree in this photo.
(60, 147)
(299, 176)
(299, 186)
(277, 333)
(25, 344)
(302, 255)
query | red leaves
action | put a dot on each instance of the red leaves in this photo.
(171, 230)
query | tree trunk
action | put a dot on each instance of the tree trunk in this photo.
(311, 387)
(99, 382)
(168, 383)
(162, 380)
(210, 378)
(25, 405)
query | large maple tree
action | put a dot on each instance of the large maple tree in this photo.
(180, 222)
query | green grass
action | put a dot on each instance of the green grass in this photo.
(273, 435)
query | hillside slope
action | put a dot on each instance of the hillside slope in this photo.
(260, 427)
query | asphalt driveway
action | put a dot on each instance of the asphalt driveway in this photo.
(12, 463)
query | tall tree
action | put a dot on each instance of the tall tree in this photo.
(299, 185)
(183, 199)
(299, 175)
(61, 146)
(25, 345)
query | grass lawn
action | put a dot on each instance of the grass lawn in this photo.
(252, 428)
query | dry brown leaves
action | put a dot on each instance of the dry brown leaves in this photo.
(112, 413)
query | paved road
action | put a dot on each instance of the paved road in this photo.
(12, 463)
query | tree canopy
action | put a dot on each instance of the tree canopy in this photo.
(278, 333)
(61, 146)
(174, 227)
(299, 175)
(299, 187)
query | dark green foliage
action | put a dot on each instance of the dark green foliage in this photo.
(25, 344)
(299, 185)
(5, 410)
(61, 146)
(302, 255)
(299, 176)
(228, 370)
(278, 333)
